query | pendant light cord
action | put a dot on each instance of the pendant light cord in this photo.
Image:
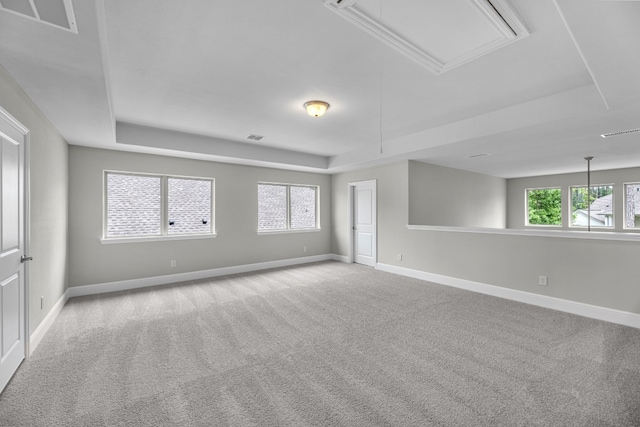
(380, 93)
(588, 159)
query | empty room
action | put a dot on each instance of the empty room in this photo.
(319, 213)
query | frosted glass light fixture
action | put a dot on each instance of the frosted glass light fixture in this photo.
(316, 108)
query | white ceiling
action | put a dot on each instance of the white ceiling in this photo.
(194, 79)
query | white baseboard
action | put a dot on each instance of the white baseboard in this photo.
(46, 323)
(340, 258)
(581, 309)
(77, 291)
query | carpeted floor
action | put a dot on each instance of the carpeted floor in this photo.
(326, 344)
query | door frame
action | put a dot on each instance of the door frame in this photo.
(22, 133)
(351, 211)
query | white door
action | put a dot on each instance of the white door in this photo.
(364, 222)
(12, 280)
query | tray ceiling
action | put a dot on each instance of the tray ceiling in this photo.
(532, 84)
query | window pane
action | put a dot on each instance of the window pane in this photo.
(272, 207)
(303, 207)
(544, 206)
(632, 205)
(133, 205)
(600, 201)
(189, 206)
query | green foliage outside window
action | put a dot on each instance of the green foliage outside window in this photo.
(545, 206)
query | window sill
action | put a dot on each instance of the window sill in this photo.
(301, 230)
(115, 240)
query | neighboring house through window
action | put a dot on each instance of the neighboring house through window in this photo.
(144, 205)
(283, 207)
(632, 205)
(594, 208)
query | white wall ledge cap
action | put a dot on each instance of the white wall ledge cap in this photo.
(565, 234)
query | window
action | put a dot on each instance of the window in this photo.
(140, 205)
(544, 206)
(594, 208)
(632, 205)
(287, 207)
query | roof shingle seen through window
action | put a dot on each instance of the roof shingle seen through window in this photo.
(189, 206)
(134, 205)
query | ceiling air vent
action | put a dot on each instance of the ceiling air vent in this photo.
(439, 35)
(622, 132)
(58, 13)
(255, 137)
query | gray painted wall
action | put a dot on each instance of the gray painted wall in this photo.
(49, 200)
(516, 208)
(443, 196)
(595, 272)
(391, 183)
(236, 207)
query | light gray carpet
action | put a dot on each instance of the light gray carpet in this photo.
(326, 344)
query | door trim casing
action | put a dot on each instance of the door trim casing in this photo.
(21, 130)
(351, 200)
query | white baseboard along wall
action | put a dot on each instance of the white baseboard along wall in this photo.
(581, 309)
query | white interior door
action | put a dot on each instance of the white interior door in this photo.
(12, 280)
(364, 222)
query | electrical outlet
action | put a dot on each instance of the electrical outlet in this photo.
(399, 257)
(542, 280)
(304, 249)
(173, 263)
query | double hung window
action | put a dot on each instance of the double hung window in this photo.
(144, 205)
(283, 207)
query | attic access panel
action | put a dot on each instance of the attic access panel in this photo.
(439, 35)
(58, 13)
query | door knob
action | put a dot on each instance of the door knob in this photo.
(25, 258)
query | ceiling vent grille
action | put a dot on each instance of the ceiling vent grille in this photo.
(255, 137)
(58, 13)
(622, 132)
(437, 35)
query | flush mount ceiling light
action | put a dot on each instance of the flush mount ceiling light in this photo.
(316, 108)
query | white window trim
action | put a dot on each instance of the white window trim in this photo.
(526, 208)
(290, 230)
(597, 227)
(112, 240)
(164, 207)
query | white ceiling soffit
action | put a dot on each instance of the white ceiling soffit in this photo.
(58, 13)
(437, 35)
